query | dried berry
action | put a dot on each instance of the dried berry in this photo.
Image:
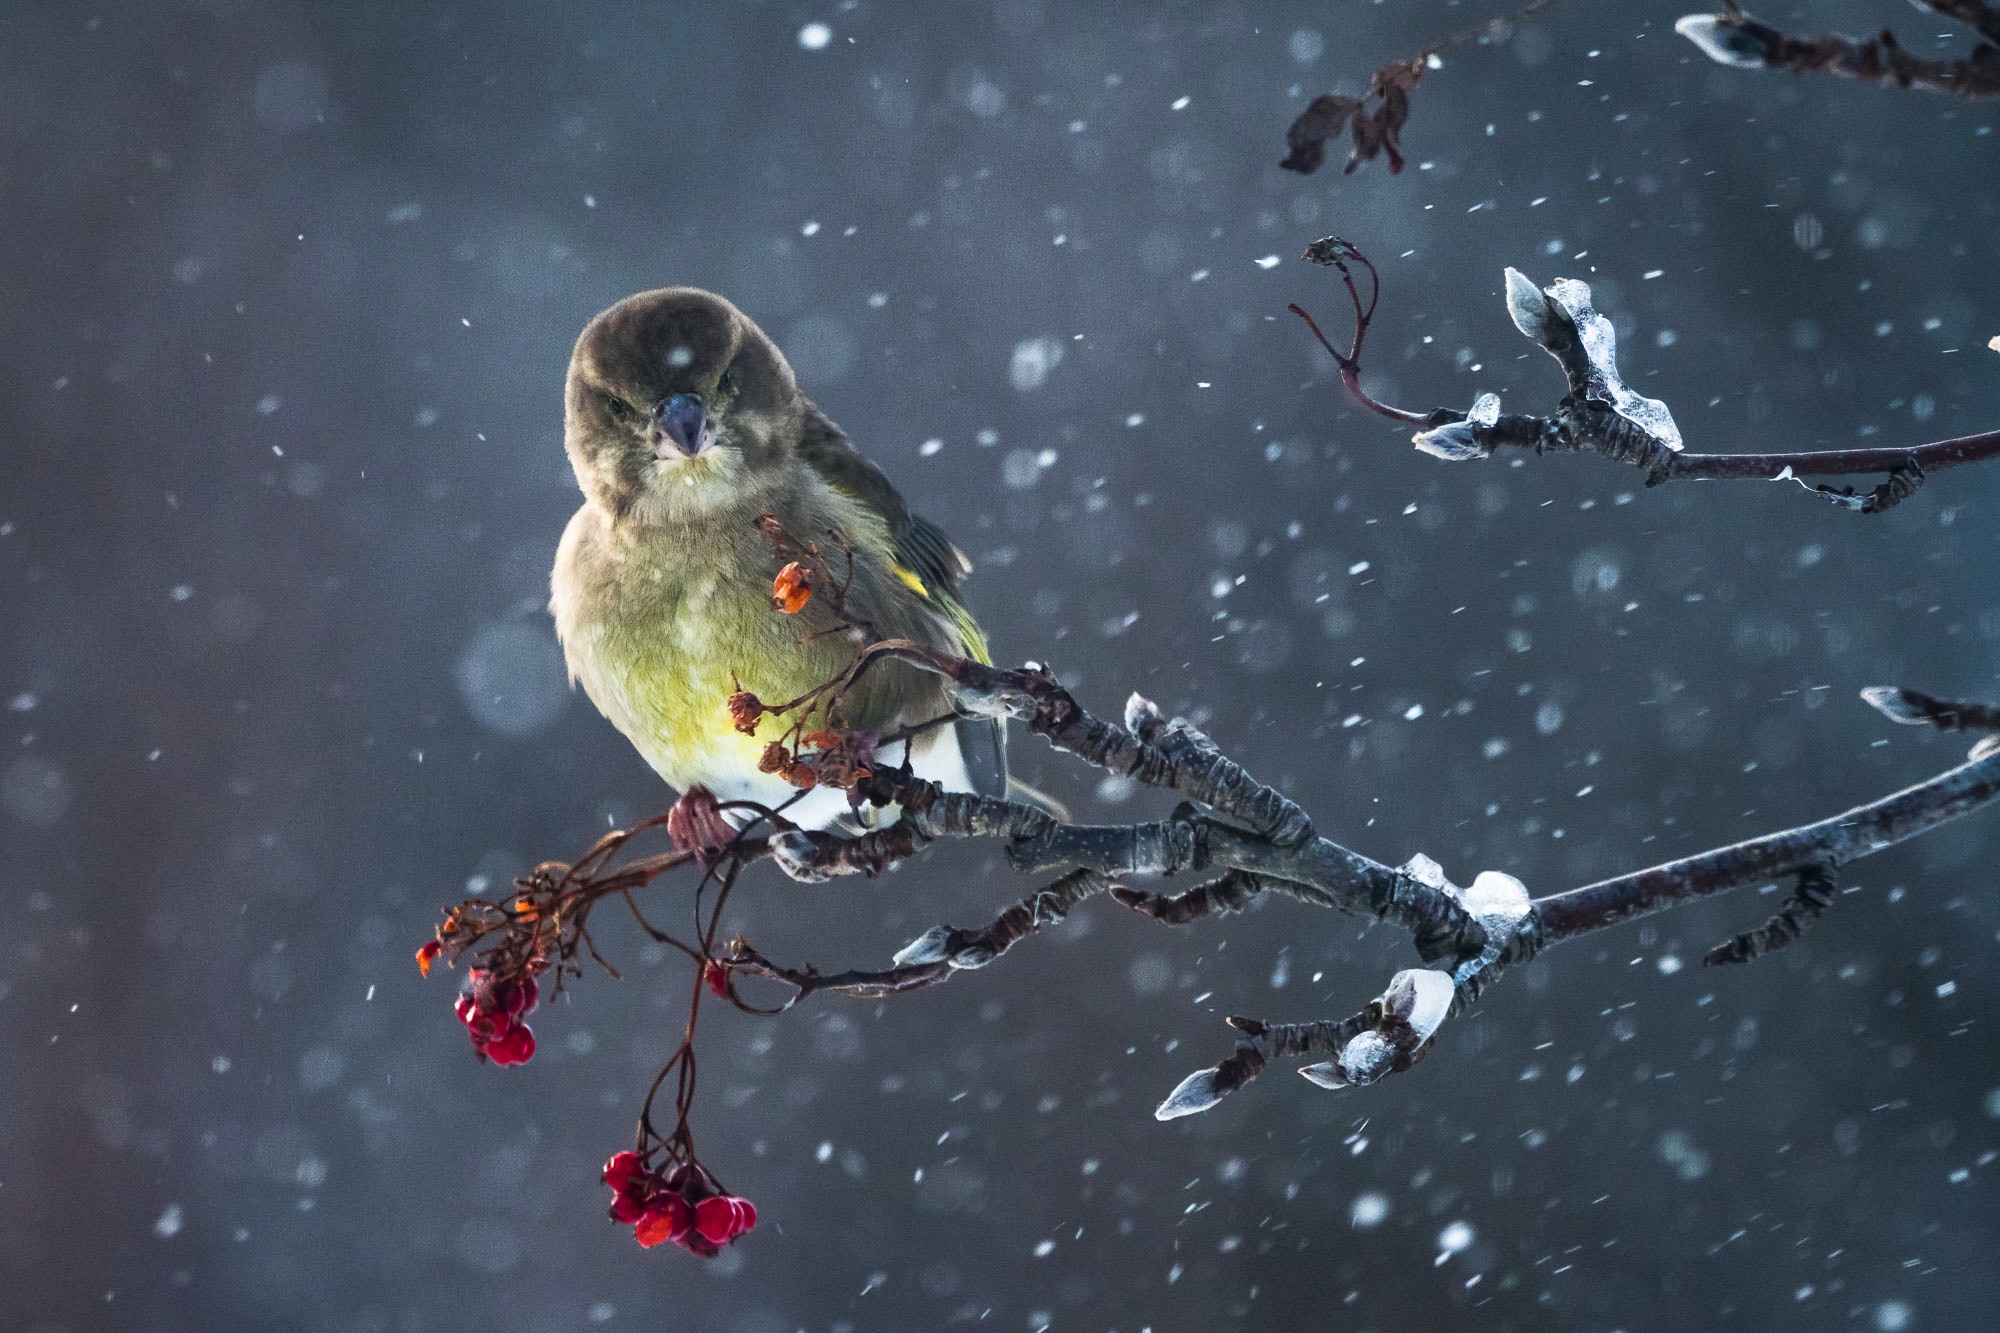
(792, 589)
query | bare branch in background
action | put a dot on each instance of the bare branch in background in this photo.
(1375, 119)
(1600, 414)
(1734, 38)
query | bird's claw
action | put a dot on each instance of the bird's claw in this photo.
(695, 824)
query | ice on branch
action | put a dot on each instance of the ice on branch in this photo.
(1600, 347)
(1726, 39)
(1455, 442)
(1362, 1061)
(932, 946)
(1917, 709)
(1413, 1008)
(1600, 413)
(1461, 440)
(1427, 872)
(1500, 904)
(1497, 900)
(1529, 309)
(1896, 705)
(1195, 1094)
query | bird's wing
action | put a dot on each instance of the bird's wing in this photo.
(926, 560)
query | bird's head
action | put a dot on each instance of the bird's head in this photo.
(676, 404)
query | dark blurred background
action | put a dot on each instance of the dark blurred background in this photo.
(289, 291)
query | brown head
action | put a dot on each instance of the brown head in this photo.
(676, 404)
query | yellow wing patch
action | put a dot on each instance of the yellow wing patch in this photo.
(912, 582)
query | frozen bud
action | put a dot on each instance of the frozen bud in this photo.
(1895, 704)
(1367, 1058)
(1726, 39)
(1422, 998)
(1526, 305)
(1326, 1075)
(1988, 747)
(1139, 711)
(930, 947)
(1485, 410)
(1196, 1093)
(1426, 872)
(1496, 893)
(1454, 443)
(797, 854)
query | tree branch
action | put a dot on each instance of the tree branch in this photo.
(1466, 937)
(1249, 838)
(1600, 414)
(1734, 38)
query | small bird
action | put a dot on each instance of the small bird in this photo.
(685, 426)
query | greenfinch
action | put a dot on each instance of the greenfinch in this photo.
(689, 435)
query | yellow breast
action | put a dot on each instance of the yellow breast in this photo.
(659, 635)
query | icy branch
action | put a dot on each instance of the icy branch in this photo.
(1600, 414)
(1466, 938)
(1735, 39)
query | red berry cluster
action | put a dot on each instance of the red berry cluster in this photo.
(492, 1009)
(684, 1206)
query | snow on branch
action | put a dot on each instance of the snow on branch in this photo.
(1734, 38)
(1600, 414)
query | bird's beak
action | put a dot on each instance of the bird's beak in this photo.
(681, 426)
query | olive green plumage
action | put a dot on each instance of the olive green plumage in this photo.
(684, 424)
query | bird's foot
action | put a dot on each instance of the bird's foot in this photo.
(695, 824)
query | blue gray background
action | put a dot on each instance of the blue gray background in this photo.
(289, 292)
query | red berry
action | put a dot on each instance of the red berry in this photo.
(627, 1210)
(622, 1170)
(715, 1219)
(515, 1046)
(746, 1215)
(666, 1218)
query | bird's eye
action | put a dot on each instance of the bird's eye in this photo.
(620, 409)
(726, 386)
